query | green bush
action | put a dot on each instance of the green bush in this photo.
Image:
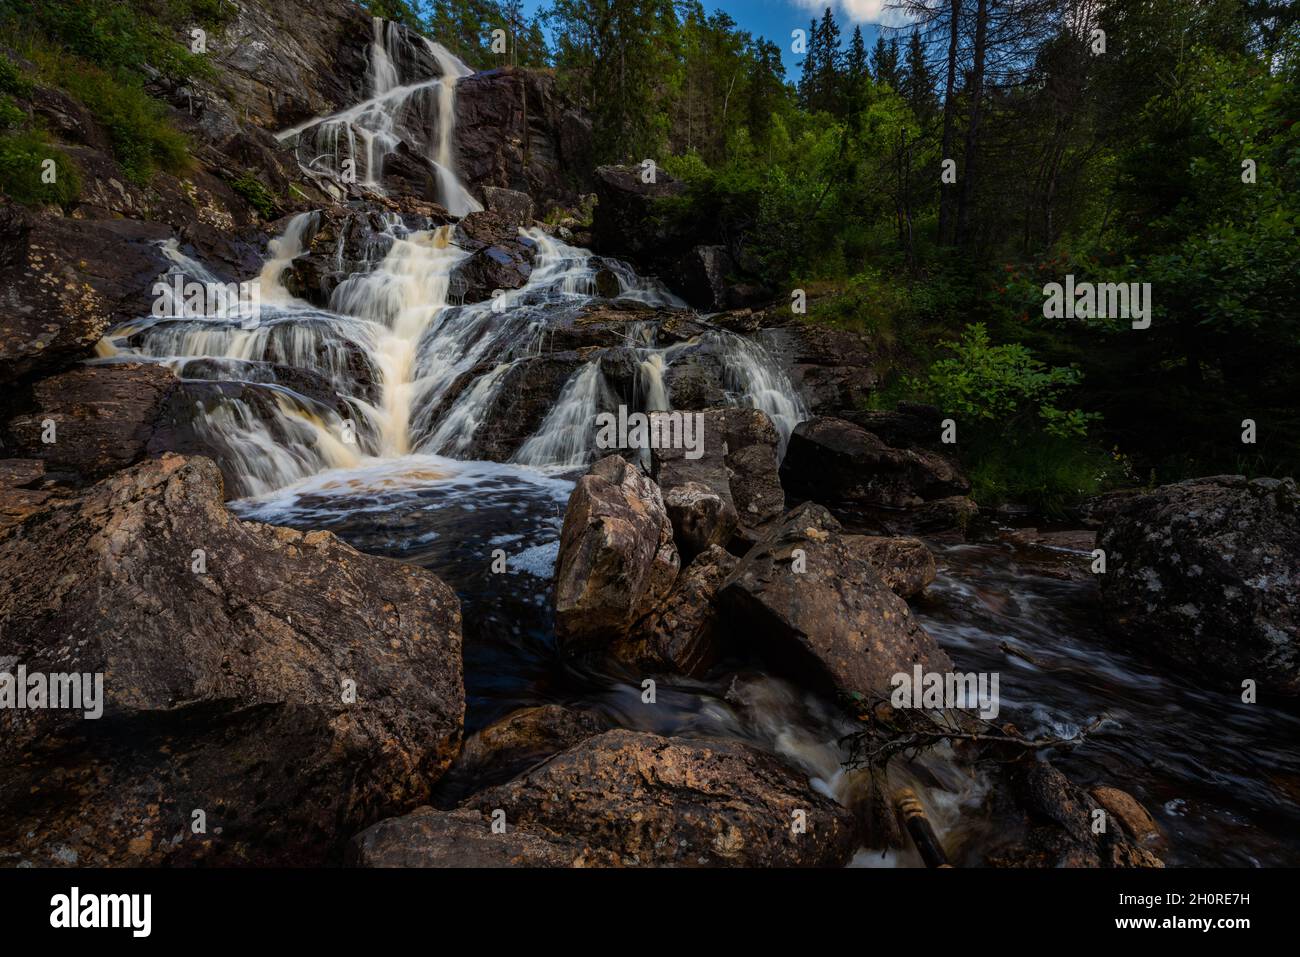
(11, 115)
(22, 158)
(1015, 437)
(998, 387)
(121, 36)
(258, 196)
(12, 80)
(142, 136)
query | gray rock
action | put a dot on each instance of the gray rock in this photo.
(1206, 573)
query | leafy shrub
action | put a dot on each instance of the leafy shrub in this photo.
(142, 136)
(998, 385)
(22, 155)
(1015, 437)
(259, 197)
(12, 79)
(123, 36)
(11, 115)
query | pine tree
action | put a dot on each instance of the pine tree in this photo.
(917, 80)
(809, 69)
(884, 62)
(830, 62)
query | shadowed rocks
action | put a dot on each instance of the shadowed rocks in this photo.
(290, 688)
(617, 559)
(1206, 573)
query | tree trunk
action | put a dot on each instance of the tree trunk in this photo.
(970, 163)
(949, 121)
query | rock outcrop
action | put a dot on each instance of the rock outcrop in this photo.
(512, 744)
(287, 687)
(733, 486)
(513, 130)
(684, 635)
(1206, 573)
(430, 838)
(617, 559)
(906, 565)
(1058, 830)
(93, 420)
(655, 801)
(836, 461)
(810, 599)
(64, 283)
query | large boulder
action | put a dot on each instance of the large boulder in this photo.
(431, 838)
(835, 370)
(628, 221)
(732, 485)
(905, 564)
(754, 466)
(1057, 825)
(836, 462)
(656, 801)
(64, 282)
(100, 418)
(510, 204)
(289, 688)
(684, 634)
(617, 559)
(812, 599)
(514, 743)
(1206, 573)
(695, 483)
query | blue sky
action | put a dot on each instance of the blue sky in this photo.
(775, 19)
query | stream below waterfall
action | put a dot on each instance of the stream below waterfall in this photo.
(385, 460)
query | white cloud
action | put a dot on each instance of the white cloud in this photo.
(858, 11)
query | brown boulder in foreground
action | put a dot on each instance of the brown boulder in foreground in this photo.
(617, 559)
(683, 635)
(430, 838)
(223, 687)
(905, 564)
(809, 597)
(657, 801)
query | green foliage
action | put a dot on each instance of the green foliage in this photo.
(997, 386)
(21, 157)
(12, 79)
(1016, 439)
(120, 36)
(259, 197)
(143, 138)
(1046, 472)
(11, 115)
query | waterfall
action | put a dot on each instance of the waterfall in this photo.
(755, 379)
(406, 105)
(564, 438)
(393, 368)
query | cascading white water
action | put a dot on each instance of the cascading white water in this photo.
(564, 438)
(755, 379)
(402, 108)
(393, 367)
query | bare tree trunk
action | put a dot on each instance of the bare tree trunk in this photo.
(970, 164)
(949, 119)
